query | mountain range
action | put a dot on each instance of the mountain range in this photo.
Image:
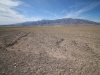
(62, 22)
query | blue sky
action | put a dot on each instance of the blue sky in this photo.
(16, 11)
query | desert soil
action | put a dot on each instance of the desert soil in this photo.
(50, 51)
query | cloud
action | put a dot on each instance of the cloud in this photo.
(63, 11)
(8, 15)
(75, 14)
(53, 14)
(78, 5)
(9, 3)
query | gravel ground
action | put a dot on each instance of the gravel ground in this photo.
(54, 51)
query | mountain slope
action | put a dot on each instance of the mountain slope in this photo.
(64, 21)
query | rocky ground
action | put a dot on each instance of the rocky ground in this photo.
(50, 51)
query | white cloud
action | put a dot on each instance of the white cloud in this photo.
(63, 11)
(76, 14)
(53, 14)
(9, 3)
(9, 15)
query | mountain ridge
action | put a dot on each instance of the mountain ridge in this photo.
(62, 22)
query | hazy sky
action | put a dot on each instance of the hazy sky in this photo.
(15, 11)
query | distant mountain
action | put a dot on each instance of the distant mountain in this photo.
(62, 22)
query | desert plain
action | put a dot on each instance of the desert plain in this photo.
(58, 50)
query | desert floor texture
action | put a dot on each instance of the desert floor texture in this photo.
(68, 50)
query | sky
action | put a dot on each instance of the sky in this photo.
(16, 11)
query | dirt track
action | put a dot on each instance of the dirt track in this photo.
(50, 51)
